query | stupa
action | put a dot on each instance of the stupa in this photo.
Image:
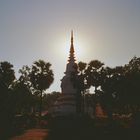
(66, 103)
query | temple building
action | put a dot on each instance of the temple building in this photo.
(66, 103)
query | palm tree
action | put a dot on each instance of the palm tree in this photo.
(93, 72)
(78, 80)
(81, 84)
(41, 77)
(94, 78)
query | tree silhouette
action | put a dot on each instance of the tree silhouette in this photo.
(94, 78)
(41, 77)
(93, 72)
(23, 97)
(24, 75)
(78, 80)
(81, 86)
(7, 76)
(111, 87)
(132, 84)
(121, 88)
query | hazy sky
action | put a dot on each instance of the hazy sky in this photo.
(108, 30)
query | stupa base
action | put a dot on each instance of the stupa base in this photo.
(64, 106)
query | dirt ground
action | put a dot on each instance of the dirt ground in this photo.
(32, 134)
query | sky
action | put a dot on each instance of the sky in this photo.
(107, 30)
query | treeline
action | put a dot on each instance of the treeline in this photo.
(25, 95)
(116, 89)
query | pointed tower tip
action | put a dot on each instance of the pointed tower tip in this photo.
(72, 37)
(72, 46)
(71, 33)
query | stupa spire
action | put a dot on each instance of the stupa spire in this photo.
(71, 37)
(71, 46)
(71, 61)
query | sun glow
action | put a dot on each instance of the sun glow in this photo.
(63, 48)
(77, 49)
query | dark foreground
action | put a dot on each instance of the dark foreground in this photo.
(79, 128)
(87, 129)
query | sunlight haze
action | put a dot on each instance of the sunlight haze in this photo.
(107, 30)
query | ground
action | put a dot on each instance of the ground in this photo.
(32, 134)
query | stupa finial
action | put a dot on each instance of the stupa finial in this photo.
(72, 37)
(72, 46)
